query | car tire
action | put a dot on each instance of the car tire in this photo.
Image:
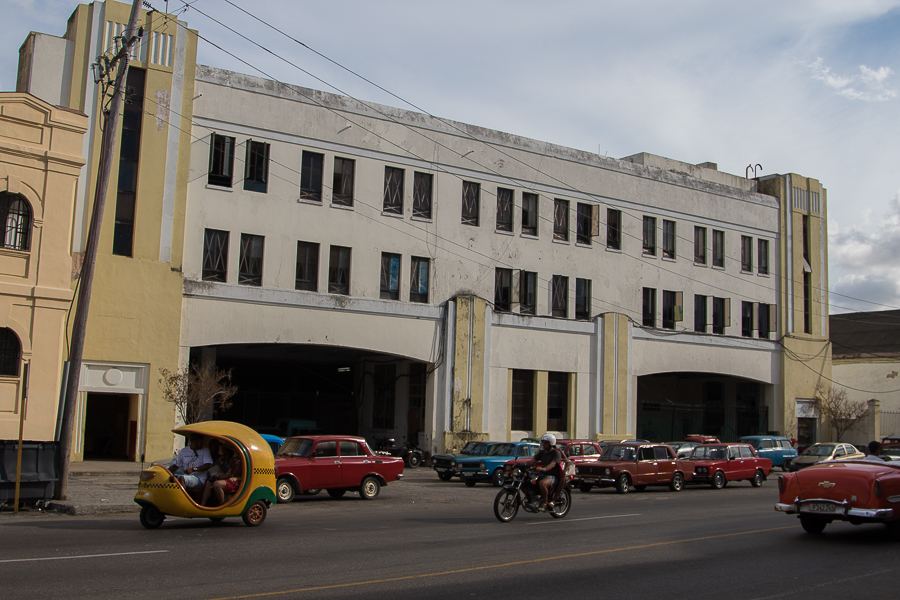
(445, 475)
(585, 487)
(498, 478)
(255, 514)
(785, 468)
(677, 483)
(151, 517)
(623, 484)
(284, 491)
(369, 488)
(812, 525)
(470, 482)
(758, 479)
(413, 460)
(718, 481)
(336, 492)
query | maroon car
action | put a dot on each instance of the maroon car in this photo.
(579, 451)
(717, 464)
(335, 463)
(636, 466)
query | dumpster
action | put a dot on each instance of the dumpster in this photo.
(40, 470)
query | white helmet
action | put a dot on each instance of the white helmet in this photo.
(549, 437)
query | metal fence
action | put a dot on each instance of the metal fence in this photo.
(670, 422)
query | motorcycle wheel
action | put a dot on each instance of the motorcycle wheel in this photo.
(413, 460)
(561, 507)
(506, 505)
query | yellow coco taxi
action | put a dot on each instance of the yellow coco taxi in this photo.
(160, 493)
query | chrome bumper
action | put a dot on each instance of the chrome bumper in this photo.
(845, 512)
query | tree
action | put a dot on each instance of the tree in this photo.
(838, 411)
(197, 391)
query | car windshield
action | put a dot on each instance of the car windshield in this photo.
(708, 453)
(472, 448)
(296, 447)
(819, 450)
(619, 453)
(503, 450)
(754, 443)
(675, 445)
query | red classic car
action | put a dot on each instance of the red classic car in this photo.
(717, 464)
(635, 466)
(857, 491)
(579, 451)
(334, 463)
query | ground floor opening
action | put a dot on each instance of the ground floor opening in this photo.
(110, 426)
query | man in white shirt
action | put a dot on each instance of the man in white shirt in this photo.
(194, 460)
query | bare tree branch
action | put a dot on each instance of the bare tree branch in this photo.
(837, 411)
(197, 392)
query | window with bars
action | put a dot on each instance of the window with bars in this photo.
(522, 400)
(746, 254)
(648, 310)
(221, 160)
(342, 182)
(251, 260)
(393, 191)
(504, 209)
(557, 401)
(718, 259)
(529, 213)
(312, 165)
(582, 299)
(561, 220)
(560, 296)
(307, 267)
(700, 314)
(700, 245)
(668, 239)
(15, 216)
(471, 201)
(649, 243)
(527, 292)
(129, 158)
(613, 229)
(584, 221)
(10, 353)
(256, 167)
(385, 383)
(762, 259)
(422, 183)
(390, 276)
(215, 255)
(339, 271)
(503, 290)
(418, 280)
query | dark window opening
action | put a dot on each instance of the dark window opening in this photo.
(527, 292)
(422, 195)
(762, 260)
(529, 213)
(700, 245)
(668, 239)
(613, 229)
(471, 200)
(339, 271)
(503, 290)
(221, 160)
(561, 220)
(307, 267)
(668, 309)
(10, 353)
(504, 209)
(557, 401)
(418, 283)
(805, 225)
(747, 319)
(700, 313)
(129, 157)
(584, 223)
(215, 255)
(746, 254)
(721, 314)
(256, 167)
(582, 299)
(15, 215)
(807, 303)
(649, 308)
(560, 293)
(312, 166)
(522, 400)
(763, 319)
(649, 246)
(390, 276)
(393, 191)
(718, 248)
(251, 260)
(342, 182)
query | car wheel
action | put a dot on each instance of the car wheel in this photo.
(677, 483)
(445, 475)
(312, 492)
(284, 491)
(562, 505)
(585, 487)
(336, 492)
(151, 517)
(369, 488)
(413, 460)
(812, 524)
(255, 515)
(785, 468)
(718, 480)
(506, 505)
(758, 479)
(498, 477)
(469, 482)
(623, 484)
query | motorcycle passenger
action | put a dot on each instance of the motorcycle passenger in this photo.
(549, 459)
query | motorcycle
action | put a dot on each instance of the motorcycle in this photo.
(523, 492)
(408, 451)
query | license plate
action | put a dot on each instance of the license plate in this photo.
(819, 507)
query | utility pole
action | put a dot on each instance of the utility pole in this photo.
(110, 118)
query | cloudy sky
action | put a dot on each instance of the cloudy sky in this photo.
(806, 86)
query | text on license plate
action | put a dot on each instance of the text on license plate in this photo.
(819, 507)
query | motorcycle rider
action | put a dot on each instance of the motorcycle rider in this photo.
(550, 459)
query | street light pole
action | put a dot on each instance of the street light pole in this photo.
(111, 126)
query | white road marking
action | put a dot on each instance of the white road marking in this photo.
(12, 560)
(585, 519)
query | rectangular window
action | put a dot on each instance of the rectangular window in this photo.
(807, 303)
(522, 400)
(527, 292)
(746, 254)
(700, 245)
(342, 182)
(385, 382)
(670, 309)
(215, 255)
(649, 308)
(529, 213)
(471, 202)
(504, 209)
(718, 248)
(650, 236)
(557, 401)
(393, 191)
(422, 183)
(503, 290)
(700, 313)
(560, 295)
(339, 271)
(583, 299)
(721, 314)
(584, 223)
(747, 319)
(256, 167)
(668, 239)
(129, 157)
(762, 259)
(765, 318)
(221, 160)
(418, 279)
(390, 276)
(805, 225)
(307, 267)
(312, 165)
(613, 229)
(251, 260)
(561, 220)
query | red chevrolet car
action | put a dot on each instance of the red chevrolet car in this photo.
(335, 463)
(717, 464)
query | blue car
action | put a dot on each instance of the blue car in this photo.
(274, 441)
(774, 447)
(490, 467)
(445, 464)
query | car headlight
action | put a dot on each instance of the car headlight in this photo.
(481, 466)
(452, 463)
(608, 471)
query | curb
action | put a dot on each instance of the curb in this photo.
(91, 509)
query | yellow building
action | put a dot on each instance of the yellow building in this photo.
(135, 313)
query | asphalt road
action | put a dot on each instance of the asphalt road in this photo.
(423, 538)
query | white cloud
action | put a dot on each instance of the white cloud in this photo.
(869, 85)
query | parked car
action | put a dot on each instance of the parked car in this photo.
(857, 491)
(490, 467)
(604, 443)
(717, 464)
(445, 464)
(702, 439)
(579, 451)
(777, 448)
(273, 441)
(825, 451)
(334, 463)
(682, 449)
(634, 466)
(411, 454)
